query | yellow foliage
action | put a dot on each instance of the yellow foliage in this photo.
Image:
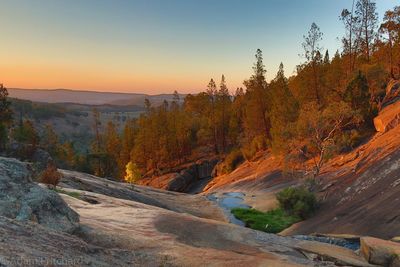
(132, 173)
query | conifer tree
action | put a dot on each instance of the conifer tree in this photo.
(5, 116)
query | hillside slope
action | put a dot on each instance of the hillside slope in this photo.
(360, 191)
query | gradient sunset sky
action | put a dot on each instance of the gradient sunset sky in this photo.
(156, 46)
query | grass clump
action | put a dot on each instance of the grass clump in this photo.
(295, 204)
(71, 194)
(273, 221)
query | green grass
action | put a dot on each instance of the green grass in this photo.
(71, 194)
(277, 219)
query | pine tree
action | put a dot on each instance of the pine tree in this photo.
(284, 112)
(212, 95)
(113, 150)
(256, 118)
(368, 19)
(224, 102)
(5, 116)
(312, 53)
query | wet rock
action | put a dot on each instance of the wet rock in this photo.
(379, 251)
(23, 200)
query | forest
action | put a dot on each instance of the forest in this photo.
(324, 109)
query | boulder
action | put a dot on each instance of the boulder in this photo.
(389, 114)
(381, 252)
(24, 200)
(388, 118)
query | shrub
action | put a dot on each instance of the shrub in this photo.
(231, 162)
(257, 144)
(50, 175)
(132, 173)
(297, 201)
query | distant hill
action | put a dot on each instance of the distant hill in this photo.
(86, 97)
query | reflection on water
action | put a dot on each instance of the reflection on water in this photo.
(229, 201)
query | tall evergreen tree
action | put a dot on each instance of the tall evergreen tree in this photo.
(256, 119)
(312, 53)
(5, 116)
(368, 19)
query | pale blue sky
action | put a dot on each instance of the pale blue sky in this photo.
(156, 46)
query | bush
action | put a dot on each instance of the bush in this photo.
(50, 175)
(257, 144)
(273, 221)
(297, 201)
(231, 162)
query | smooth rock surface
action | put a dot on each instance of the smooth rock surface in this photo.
(388, 118)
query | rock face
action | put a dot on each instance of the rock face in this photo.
(389, 115)
(381, 252)
(183, 180)
(388, 118)
(392, 93)
(23, 200)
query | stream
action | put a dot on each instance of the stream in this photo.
(230, 200)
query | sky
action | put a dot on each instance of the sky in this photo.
(157, 46)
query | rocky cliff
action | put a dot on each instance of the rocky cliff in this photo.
(185, 177)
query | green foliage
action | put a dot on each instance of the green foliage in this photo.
(38, 111)
(76, 195)
(283, 113)
(358, 96)
(26, 133)
(5, 116)
(273, 221)
(297, 201)
(258, 143)
(231, 162)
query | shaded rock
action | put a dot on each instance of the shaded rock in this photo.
(42, 158)
(181, 182)
(392, 93)
(379, 251)
(336, 254)
(26, 152)
(23, 200)
(396, 239)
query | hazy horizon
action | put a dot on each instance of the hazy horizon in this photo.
(156, 47)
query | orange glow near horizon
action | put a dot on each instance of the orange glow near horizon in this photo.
(48, 77)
